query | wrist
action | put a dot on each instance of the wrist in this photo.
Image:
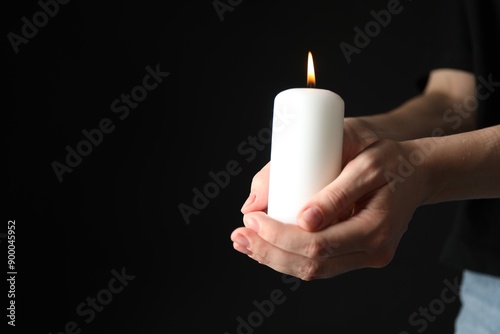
(421, 164)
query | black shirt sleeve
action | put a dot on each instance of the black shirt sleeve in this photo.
(467, 37)
(450, 46)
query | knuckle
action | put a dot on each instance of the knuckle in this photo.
(379, 239)
(382, 258)
(309, 270)
(375, 243)
(314, 249)
(373, 166)
(263, 257)
(319, 248)
(337, 199)
(373, 156)
(371, 160)
(269, 236)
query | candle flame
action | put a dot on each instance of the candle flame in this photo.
(311, 77)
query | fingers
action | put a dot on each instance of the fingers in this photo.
(288, 237)
(349, 236)
(337, 199)
(266, 253)
(257, 200)
(294, 264)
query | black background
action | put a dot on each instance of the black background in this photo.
(119, 207)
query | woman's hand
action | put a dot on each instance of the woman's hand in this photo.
(357, 221)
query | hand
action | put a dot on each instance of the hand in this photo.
(355, 222)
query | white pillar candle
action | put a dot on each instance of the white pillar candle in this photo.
(306, 147)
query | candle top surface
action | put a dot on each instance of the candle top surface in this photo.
(308, 92)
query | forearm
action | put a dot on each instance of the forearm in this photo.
(425, 115)
(461, 166)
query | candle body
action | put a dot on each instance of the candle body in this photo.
(306, 148)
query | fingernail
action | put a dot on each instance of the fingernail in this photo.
(252, 224)
(242, 241)
(311, 218)
(249, 201)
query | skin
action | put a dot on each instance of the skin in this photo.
(358, 220)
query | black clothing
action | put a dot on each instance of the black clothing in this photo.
(469, 39)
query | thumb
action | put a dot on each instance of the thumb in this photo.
(328, 205)
(257, 200)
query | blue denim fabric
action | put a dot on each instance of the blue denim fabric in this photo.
(480, 311)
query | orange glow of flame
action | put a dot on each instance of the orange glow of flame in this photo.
(311, 77)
